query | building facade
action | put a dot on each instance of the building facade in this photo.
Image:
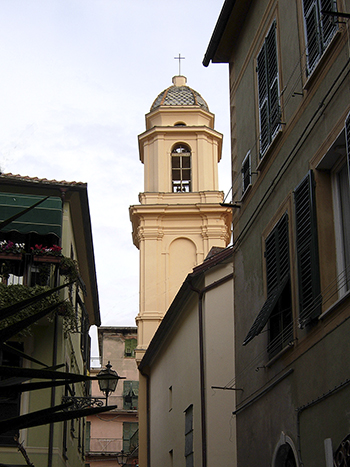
(116, 430)
(46, 246)
(187, 364)
(179, 218)
(289, 96)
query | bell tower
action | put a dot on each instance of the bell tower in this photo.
(179, 218)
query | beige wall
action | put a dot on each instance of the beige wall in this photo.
(175, 379)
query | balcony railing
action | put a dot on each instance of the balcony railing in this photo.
(105, 445)
(30, 269)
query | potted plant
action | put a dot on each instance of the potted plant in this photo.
(11, 250)
(46, 254)
(69, 268)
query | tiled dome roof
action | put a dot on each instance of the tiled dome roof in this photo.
(179, 94)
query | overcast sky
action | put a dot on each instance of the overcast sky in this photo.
(77, 78)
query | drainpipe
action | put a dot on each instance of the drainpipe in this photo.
(201, 294)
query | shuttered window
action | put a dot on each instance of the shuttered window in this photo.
(307, 251)
(130, 346)
(319, 29)
(130, 395)
(246, 173)
(268, 90)
(277, 310)
(129, 429)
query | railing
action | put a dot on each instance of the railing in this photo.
(95, 362)
(105, 445)
(134, 441)
(29, 269)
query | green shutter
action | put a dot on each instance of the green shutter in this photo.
(130, 395)
(129, 428)
(307, 251)
(268, 90)
(130, 346)
(277, 274)
(319, 28)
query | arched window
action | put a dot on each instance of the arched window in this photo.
(285, 456)
(181, 168)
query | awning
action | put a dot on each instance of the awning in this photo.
(44, 219)
(266, 310)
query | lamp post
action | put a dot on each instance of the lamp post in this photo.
(108, 384)
(122, 458)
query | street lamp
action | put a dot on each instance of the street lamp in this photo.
(109, 383)
(122, 458)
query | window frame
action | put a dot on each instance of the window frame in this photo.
(278, 281)
(182, 183)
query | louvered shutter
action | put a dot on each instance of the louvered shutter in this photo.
(307, 251)
(328, 25)
(312, 34)
(277, 274)
(319, 28)
(246, 173)
(268, 90)
(272, 70)
(263, 99)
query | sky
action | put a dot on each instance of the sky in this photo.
(77, 78)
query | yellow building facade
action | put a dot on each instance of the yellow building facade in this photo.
(180, 216)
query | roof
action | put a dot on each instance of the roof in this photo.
(77, 194)
(44, 181)
(226, 31)
(179, 95)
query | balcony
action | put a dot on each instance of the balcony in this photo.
(39, 266)
(105, 445)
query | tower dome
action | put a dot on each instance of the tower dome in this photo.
(179, 94)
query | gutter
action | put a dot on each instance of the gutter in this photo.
(218, 31)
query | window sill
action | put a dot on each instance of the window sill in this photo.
(246, 191)
(280, 354)
(334, 306)
(265, 157)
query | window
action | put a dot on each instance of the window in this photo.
(268, 91)
(130, 395)
(277, 309)
(181, 169)
(285, 457)
(307, 251)
(87, 436)
(246, 173)
(129, 430)
(319, 28)
(189, 436)
(130, 346)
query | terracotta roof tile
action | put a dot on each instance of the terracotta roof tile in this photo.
(44, 181)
